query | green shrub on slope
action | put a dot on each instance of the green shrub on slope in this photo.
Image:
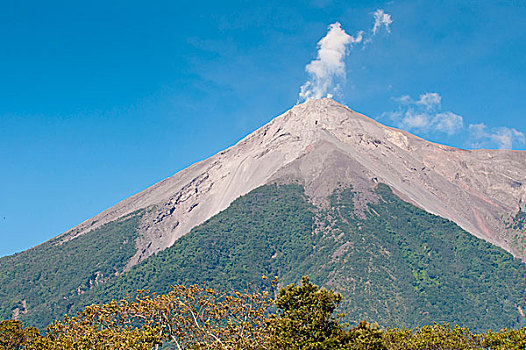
(41, 282)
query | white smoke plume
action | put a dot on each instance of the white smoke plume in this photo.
(327, 71)
(381, 19)
(329, 66)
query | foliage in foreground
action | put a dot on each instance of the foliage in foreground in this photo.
(197, 318)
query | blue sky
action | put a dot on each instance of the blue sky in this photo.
(99, 100)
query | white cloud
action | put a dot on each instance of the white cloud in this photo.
(430, 100)
(502, 137)
(448, 122)
(412, 120)
(381, 19)
(405, 99)
(425, 116)
(327, 71)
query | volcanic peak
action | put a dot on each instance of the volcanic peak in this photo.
(323, 144)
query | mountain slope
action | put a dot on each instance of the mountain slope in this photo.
(479, 190)
(393, 263)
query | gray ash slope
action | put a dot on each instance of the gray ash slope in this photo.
(322, 144)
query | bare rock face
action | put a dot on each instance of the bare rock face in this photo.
(323, 144)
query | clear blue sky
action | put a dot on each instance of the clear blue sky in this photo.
(100, 99)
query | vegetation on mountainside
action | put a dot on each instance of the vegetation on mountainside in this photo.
(519, 221)
(38, 284)
(198, 318)
(404, 266)
(268, 232)
(517, 225)
(393, 263)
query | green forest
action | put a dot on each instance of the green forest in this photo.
(41, 283)
(393, 263)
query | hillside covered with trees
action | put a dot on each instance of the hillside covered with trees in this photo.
(392, 262)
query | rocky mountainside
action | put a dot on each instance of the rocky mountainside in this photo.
(322, 143)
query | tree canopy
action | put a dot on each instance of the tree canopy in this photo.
(300, 317)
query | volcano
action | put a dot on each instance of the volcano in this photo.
(409, 231)
(323, 144)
